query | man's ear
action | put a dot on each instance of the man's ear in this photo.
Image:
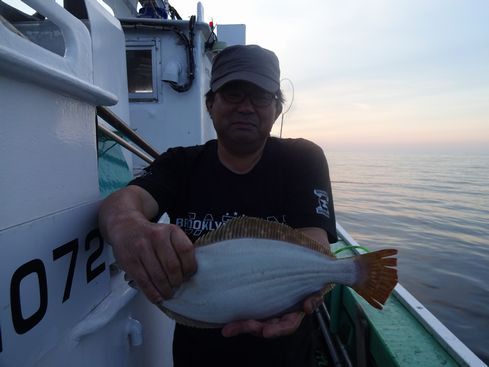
(209, 104)
(278, 111)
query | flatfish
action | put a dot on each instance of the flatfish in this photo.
(251, 268)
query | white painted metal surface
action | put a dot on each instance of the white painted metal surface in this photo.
(109, 58)
(54, 271)
(54, 268)
(51, 314)
(232, 34)
(71, 73)
(47, 120)
(171, 118)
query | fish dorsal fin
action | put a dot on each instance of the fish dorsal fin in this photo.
(250, 227)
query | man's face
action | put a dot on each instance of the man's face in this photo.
(243, 115)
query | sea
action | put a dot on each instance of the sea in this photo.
(435, 210)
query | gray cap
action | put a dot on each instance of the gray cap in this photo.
(250, 63)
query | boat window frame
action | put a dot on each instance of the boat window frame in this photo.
(145, 45)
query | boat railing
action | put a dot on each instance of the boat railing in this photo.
(141, 148)
(66, 73)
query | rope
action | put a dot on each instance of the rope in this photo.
(351, 248)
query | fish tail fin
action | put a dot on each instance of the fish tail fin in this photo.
(377, 276)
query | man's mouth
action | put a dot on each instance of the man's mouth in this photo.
(243, 124)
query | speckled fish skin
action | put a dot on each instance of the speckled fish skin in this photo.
(253, 269)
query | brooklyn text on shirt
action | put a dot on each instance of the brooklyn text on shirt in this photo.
(196, 225)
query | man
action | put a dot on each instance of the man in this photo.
(244, 172)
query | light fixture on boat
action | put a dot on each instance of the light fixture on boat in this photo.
(171, 71)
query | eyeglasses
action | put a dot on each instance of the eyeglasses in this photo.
(257, 98)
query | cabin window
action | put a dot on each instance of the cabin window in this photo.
(141, 73)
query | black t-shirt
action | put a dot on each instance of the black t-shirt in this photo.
(290, 184)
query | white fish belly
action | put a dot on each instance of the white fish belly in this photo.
(248, 278)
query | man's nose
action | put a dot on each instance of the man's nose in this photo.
(245, 105)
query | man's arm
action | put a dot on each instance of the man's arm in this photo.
(286, 324)
(317, 234)
(159, 257)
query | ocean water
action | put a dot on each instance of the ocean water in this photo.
(435, 210)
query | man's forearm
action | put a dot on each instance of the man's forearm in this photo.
(128, 205)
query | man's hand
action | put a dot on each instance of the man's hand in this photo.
(285, 325)
(280, 326)
(158, 257)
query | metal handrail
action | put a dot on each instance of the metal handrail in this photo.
(125, 144)
(116, 122)
(328, 339)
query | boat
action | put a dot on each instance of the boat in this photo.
(89, 94)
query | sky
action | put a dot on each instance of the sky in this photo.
(381, 75)
(374, 75)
